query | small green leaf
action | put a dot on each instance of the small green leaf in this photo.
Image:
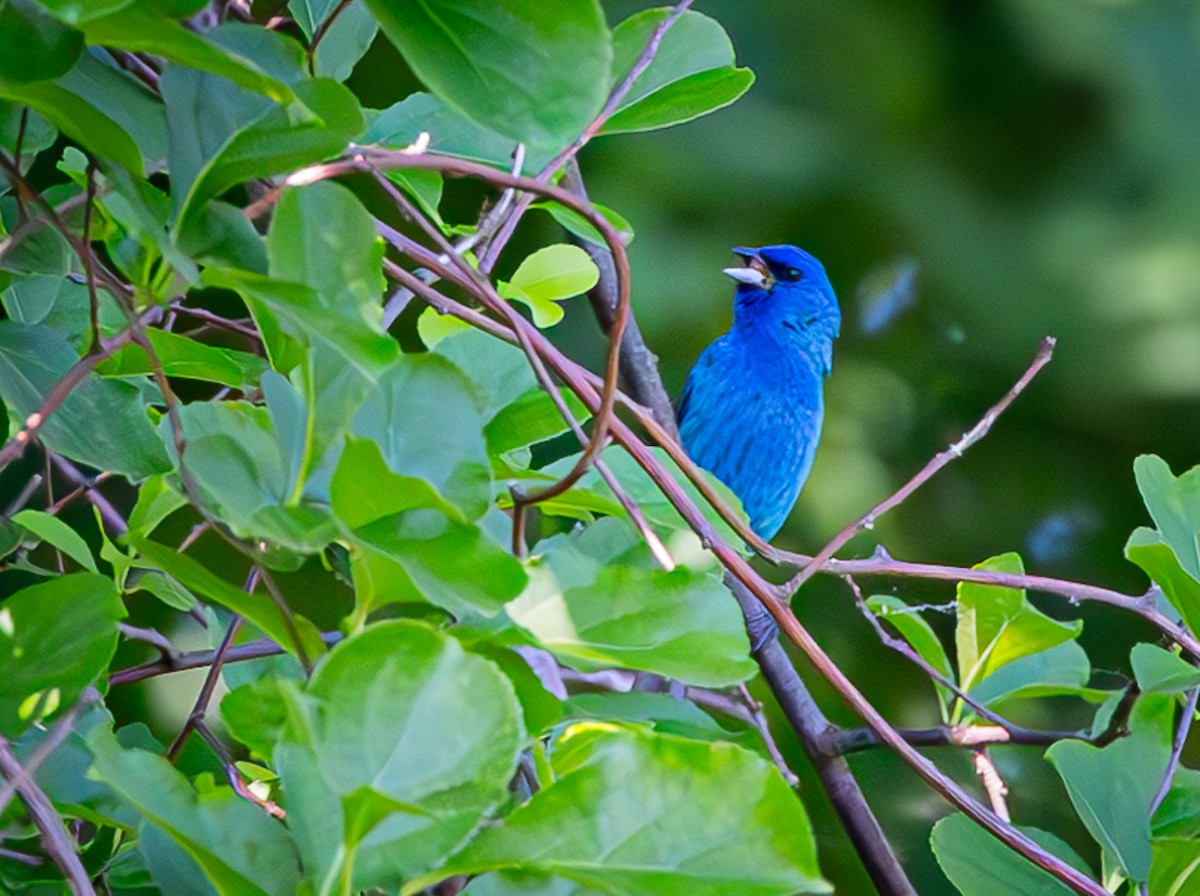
(691, 74)
(1174, 504)
(1149, 550)
(55, 532)
(631, 812)
(548, 276)
(1175, 868)
(56, 638)
(240, 848)
(433, 326)
(186, 358)
(1162, 671)
(1112, 787)
(917, 632)
(1058, 671)
(998, 625)
(463, 51)
(344, 42)
(577, 224)
(155, 502)
(980, 865)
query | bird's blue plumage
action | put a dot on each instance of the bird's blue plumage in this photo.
(751, 408)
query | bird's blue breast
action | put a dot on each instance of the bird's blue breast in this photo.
(751, 414)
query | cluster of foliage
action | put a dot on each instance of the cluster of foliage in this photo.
(195, 335)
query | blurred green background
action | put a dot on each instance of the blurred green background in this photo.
(974, 175)
(1037, 164)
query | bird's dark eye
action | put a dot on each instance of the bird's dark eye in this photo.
(792, 275)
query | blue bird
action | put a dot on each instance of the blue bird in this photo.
(751, 408)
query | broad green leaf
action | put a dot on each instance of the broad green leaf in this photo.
(691, 74)
(56, 638)
(499, 372)
(188, 359)
(980, 865)
(1061, 670)
(257, 607)
(55, 532)
(514, 883)
(1162, 671)
(631, 812)
(1149, 550)
(35, 46)
(235, 457)
(1175, 868)
(662, 712)
(78, 119)
(918, 633)
(422, 555)
(166, 589)
(141, 27)
(450, 133)
(256, 714)
(451, 456)
(384, 788)
(1112, 787)
(548, 276)
(344, 42)
(464, 53)
(575, 223)
(999, 625)
(595, 600)
(364, 489)
(532, 418)
(241, 849)
(1174, 505)
(317, 126)
(102, 423)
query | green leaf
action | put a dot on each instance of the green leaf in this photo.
(141, 27)
(381, 789)
(156, 501)
(1162, 671)
(364, 488)
(450, 133)
(1175, 868)
(1112, 787)
(34, 46)
(591, 610)
(691, 74)
(257, 607)
(999, 625)
(1148, 549)
(56, 638)
(423, 555)
(532, 418)
(980, 865)
(241, 849)
(548, 276)
(78, 119)
(577, 224)
(631, 812)
(187, 359)
(918, 633)
(1174, 505)
(235, 457)
(452, 455)
(464, 52)
(344, 42)
(1179, 814)
(662, 712)
(102, 423)
(1061, 670)
(433, 326)
(55, 532)
(319, 125)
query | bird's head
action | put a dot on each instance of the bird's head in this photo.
(784, 287)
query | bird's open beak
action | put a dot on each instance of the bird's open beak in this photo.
(753, 271)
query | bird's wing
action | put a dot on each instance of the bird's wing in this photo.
(697, 374)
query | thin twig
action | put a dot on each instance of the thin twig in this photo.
(200, 707)
(86, 257)
(319, 33)
(58, 844)
(233, 775)
(198, 659)
(1181, 735)
(978, 431)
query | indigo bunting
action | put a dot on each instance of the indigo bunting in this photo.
(751, 408)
